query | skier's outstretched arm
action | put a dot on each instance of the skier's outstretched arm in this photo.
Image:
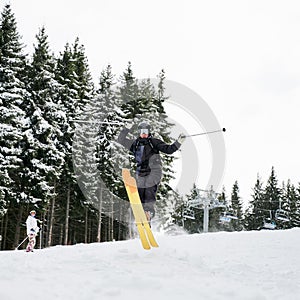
(169, 149)
(166, 148)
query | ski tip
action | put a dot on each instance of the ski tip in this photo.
(125, 172)
(128, 179)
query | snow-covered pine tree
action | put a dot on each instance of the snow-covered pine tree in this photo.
(85, 132)
(75, 91)
(237, 207)
(289, 205)
(86, 95)
(86, 158)
(162, 130)
(128, 92)
(112, 157)
(85, 85)
(12, 93)
(68, 96)
(295, 207)
(256, 211)
(272, 196)
(43, 154)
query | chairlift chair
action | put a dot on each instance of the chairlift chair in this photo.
(188, 213)
(231, 215)
(225, 219)
(269, 224)
(281, 215)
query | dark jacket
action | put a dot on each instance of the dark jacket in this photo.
(146, 151)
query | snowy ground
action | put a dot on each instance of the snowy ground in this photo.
(246, 265)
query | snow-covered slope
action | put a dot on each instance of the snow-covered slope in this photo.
(246, 265)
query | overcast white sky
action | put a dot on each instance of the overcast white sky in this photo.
(242, 57)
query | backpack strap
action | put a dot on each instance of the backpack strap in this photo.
(137, 143)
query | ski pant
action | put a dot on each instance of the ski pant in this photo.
(147, 191)
(31, 241)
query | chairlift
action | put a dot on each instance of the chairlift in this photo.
(224, 219)
(281, 215)
(269, 224)
(189, 213)
(227, 217)
(231, 215)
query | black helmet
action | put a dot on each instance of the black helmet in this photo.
(144, 128)
(144, 125)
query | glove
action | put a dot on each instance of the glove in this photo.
(181, 138)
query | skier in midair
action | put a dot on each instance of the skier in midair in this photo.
(32, 230)
(146, 149)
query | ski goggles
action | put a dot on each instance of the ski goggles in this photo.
(144, 131)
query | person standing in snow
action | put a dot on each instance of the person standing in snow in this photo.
(32, 230)
(145, 149)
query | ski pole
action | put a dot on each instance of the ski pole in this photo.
(97, 122)
(41, 236)
(21, 242)
(208, 132)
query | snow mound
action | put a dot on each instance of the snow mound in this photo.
(242, 265)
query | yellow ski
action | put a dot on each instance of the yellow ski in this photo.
(141, 221)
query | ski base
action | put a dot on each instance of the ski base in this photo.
(143, 227)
